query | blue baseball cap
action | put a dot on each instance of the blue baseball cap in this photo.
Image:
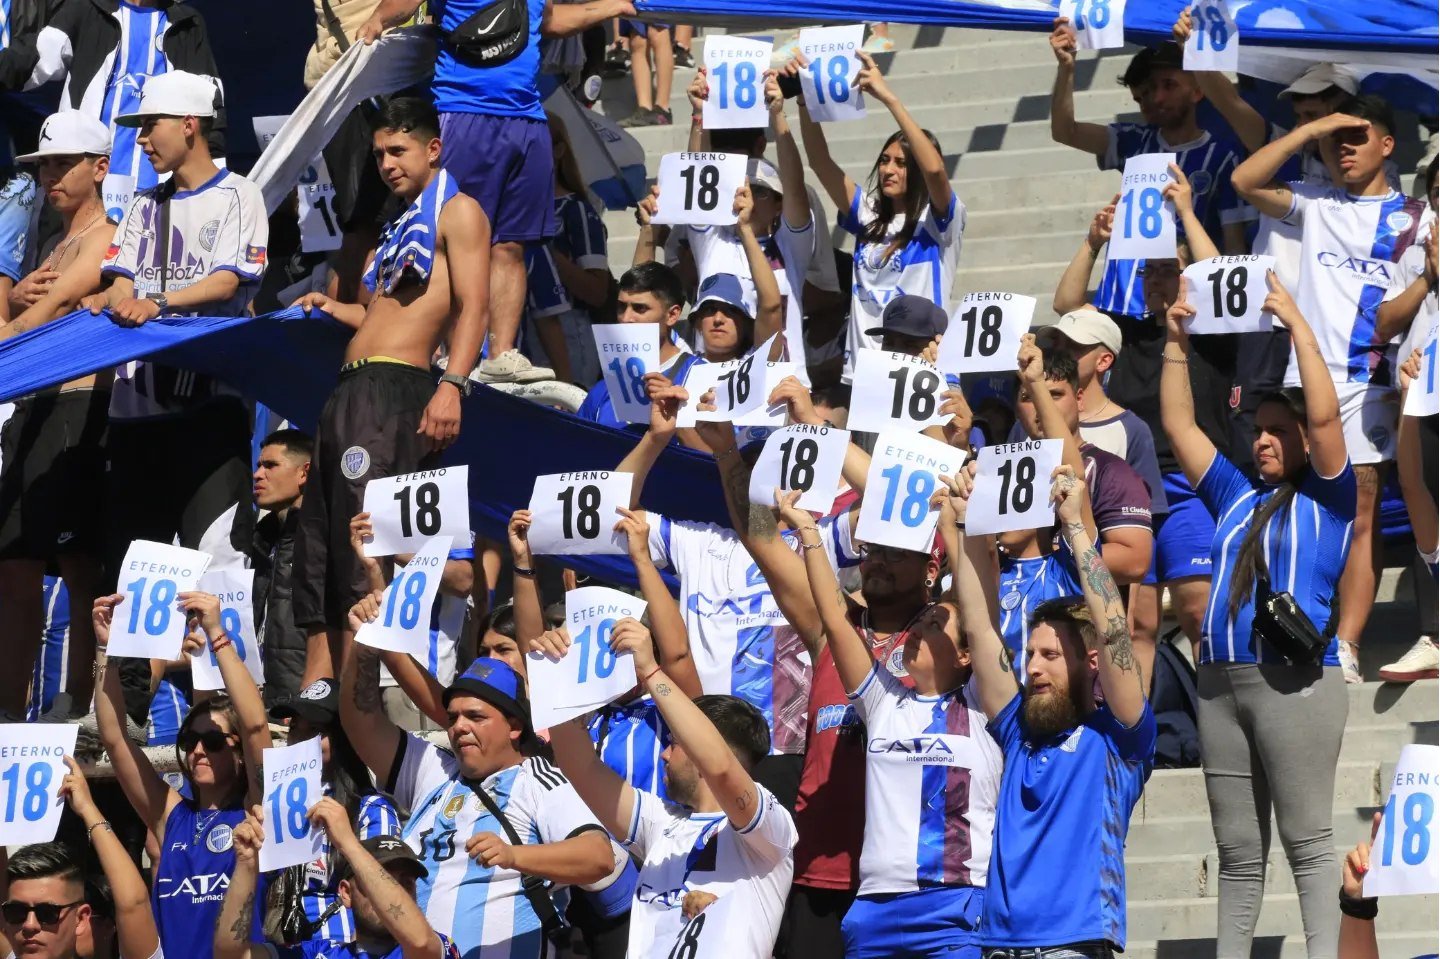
(496, 682)
(728, 290)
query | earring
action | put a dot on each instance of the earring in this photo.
(930, 582)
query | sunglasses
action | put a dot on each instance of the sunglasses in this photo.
(46, 913)
(212, 739)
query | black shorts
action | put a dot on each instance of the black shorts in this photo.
(367, 431)
(810, 928)
(53, 450)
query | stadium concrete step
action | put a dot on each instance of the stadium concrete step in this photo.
(1194, 918)
(1393, 945)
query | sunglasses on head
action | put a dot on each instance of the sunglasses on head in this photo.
(212, 739)
(46, 913)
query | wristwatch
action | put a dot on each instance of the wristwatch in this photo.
(462, 383)
(160, 300)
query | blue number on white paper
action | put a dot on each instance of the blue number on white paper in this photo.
(1211, 25)
(291, 817)
(157, 612)
(1152, 206)
(408, 589)
(37, 790)
(1429, 355)
(916, 503)
(743, 80)
(1098, 12)
(832, 75)
(631, 377)
(604, 656)
(1416, 816)
(230, 622)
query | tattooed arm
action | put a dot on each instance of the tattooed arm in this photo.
(375, 737)
(237, 913)
(1119, 673)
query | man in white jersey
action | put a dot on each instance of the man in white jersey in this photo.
(722, 836)
(1352, 235)
(491, 822)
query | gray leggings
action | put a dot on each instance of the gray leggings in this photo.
(1270, 735)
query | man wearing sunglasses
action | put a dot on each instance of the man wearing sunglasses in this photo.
(46, 909)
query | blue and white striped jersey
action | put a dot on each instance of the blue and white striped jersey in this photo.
(376, 817)
(139, 56)
(1025, 583)
(629, 738)
(167, 710)
(52, 663)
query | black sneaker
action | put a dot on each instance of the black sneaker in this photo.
(662, 117)
(617, 62)
(684, 59)
(641, 118)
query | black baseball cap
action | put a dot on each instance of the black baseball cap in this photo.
(318, 703)
(1163, 56)
(911, 315)
(392, 849)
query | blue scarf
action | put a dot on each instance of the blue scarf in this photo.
(408, 243)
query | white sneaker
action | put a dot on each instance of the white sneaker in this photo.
(1349, 662)
(511, 367)
(1421, 662)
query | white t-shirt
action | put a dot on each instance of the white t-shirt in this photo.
(1409, 269)
(718, 249)
(681, 852)
(932, 777)
(924, 267)
(1348, 252)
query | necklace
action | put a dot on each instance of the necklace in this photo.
(57, 255)
(202, 823)
(1098, 414)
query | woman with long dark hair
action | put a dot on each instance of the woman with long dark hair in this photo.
(218, 749)
(1271, 714)
(907, 221)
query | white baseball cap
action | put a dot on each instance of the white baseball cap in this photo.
(761, 172)
(70, 133)
(174, 94)
(1321, 77)
(1086, 327)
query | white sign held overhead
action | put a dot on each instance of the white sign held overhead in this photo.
(770, 375)
(905, 472)
(828, 83)
(698, 189)
(32, 766)
(1422, 399)
(319, 224)
(895, 391)
(736, 69)
(574, 514)
(1404, 858)
(291, 789)
(235, 588)
(403, 625)
(984, 333)
(628, 351)
(590, 675)
(1144, 219)
(149, 623)
(408, 510)
(1012, 487)
(801, 457)
(1214, 39)
(1099, 24)
(1227, 293)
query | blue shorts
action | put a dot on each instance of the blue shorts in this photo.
(638, 28)
(939, 921)
(1183, 537)
(505, 164)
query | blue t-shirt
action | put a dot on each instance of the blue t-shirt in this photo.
(1057, 866)
(197, 856)
(507, 90)
(598, 409)
(1305, 549)
(17, 200)
(1025, 583)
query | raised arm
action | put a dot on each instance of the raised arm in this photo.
(647, 239)
(1255, 178)
(1249, 126)
(1177, 406)
(769, 307)
(927, 158)
(1119, 673)
(974, 570)
(609, 797)
(667, 624)
(528, 605)
(833, 180)
(237, 913)
(1031, 361)
(1322, 407)
(1393, 318)
(564, 19)
(362, 715)
(134, 922)
(794, 203)
(1091, 138)
(665, 400)
(1073, 290)
(1202, 247)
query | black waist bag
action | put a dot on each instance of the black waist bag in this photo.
(1283, 625)
(493, 35)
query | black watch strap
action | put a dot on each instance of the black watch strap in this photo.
(462, 383)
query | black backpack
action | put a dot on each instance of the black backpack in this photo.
(1173, 699)
(492, 35)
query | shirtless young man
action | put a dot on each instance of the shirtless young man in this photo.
(53, 447)
(388, 415)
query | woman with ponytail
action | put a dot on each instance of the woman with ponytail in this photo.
(1271, 719)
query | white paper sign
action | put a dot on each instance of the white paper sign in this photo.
(1227, 293)
(701, 378)
(1144, 219)
(590, 675)
(1214, 39)
(32, 766)
(403, 625)
(710, 933)
(574, 514)
(895, 391)
(736, 70)
(1422, 399)
(1012, 487)
(235, 588)
(770, 375)
(1404, 859)
(149, 623)
(803, 457)
(828, 83)
(984, 333)
(1099, 24)
(627, 352)
(409, 509)
(292, 788)
(904, 474)
(698, 189)
(319, 226)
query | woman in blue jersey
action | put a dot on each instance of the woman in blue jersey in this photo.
(1270, 727)
(907, 224)
(218, 749)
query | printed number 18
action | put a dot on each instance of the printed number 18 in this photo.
(1151, 202)
(291, 818)
(916, 503)
(37, 791)
(230, 622)
(1429, 356)
(832, 74)
(1418, 813)
(604, 657)
(745, 86)
(1099, 14)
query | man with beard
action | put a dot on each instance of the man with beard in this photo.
(1066, 758)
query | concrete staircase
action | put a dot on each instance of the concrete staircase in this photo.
(985, 95)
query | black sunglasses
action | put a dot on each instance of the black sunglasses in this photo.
(212, 739)
(47, 913)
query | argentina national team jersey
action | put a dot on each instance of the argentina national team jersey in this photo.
(629, 738)
(1207, 163)
(1305, 546)
(1025, 583)
(481, 908)
(52, 662)
(932, 775)
(375, 817)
